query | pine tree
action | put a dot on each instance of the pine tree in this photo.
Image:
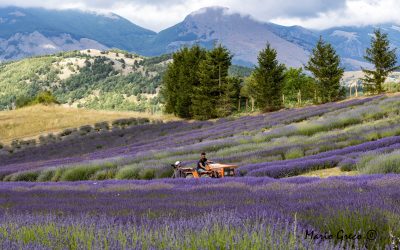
(226, 103)
(269, 76)
(180, 79)
(384, 59)
(212, 73)
(324, 64)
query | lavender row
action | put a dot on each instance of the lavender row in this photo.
(319, 161)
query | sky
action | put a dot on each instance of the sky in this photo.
(160, 14)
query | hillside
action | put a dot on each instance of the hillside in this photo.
(280, 144)
(94, 79)
(33, 121)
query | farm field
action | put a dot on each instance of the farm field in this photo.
(110, 187)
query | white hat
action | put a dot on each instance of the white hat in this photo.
(177, 163)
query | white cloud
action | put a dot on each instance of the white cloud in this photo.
(356, 13)
(160, 14)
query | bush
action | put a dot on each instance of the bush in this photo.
(24, 176)
(383, 164)
(294, 153)
(104, 174)
(128, 172)
(348, 164)
(83, 172)
(147, 174)
(46, 175)
(79, 173)
(101, 126)
(85, 129)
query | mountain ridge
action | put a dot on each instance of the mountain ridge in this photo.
(28, 32)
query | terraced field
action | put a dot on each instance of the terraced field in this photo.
(281, 144)
(109, 188)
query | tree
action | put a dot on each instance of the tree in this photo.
(269, 76)
(298, 87)
(226, 103)
(180, 79)
(384, 59)
(324, 64)
(249, 91)
(213, 77)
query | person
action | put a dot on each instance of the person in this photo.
(202, 163)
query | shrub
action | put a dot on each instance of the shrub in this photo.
(104, 174)
(348, 164)
(24, 176)
(147, 174)
(46, 175)
(101, 126)
(84, 172)
(128, 172)
(383, 164)
(294, 153)
(85, 129)
(165, 172)
(57, 174)
(79, 173)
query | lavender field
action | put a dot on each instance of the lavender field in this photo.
(242, 213)
(103, 188)
(280, 144)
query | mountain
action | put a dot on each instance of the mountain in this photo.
(244, 36)
(26, 32)
(35, 31)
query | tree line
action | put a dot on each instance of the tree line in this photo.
(197, 84)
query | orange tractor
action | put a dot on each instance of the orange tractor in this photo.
(213, 170)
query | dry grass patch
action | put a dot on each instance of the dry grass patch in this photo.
(33, 121)
(325, 173)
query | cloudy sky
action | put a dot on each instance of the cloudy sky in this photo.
(160, 14)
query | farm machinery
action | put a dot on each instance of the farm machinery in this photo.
(213, 170)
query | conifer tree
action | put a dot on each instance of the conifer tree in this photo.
(180, 79)
(324, 64)
(269, 76)
(212, 73)
(384, 60)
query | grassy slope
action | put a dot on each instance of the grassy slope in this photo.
(30, 122)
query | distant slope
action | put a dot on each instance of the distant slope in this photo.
(113, 80)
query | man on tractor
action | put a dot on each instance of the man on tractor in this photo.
(202, 163)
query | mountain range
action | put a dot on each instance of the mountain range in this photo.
(26, 32)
